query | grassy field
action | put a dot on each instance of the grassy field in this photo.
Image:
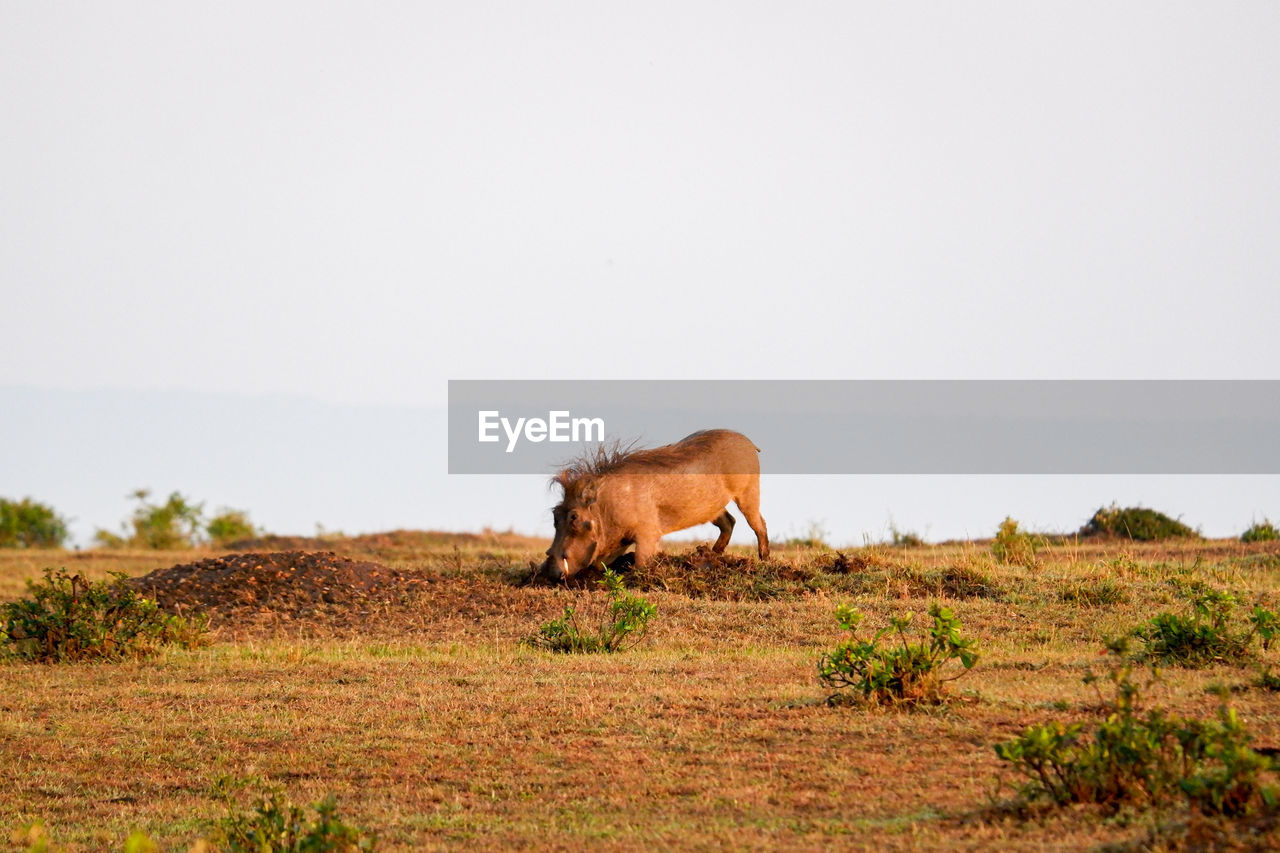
(436, 728)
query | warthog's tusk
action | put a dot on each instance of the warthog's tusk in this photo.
(565, 560)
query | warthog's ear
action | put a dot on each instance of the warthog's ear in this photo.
(587, 496)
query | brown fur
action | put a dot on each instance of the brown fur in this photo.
(616, 497)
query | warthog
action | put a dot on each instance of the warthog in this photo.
(614, 499)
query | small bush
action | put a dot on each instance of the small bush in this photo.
(1014, 546)
(174, 524)
(814, 537)
(888, 668)
(966, 578)
(1095, 593)
(30, 524)
(1135, 522)
(1142, 757)
(35, 839)
(68, 619)
(275, 825)
(904, 538)
(1207, 634)
(625, 625)
(230, 525)
(1263, 531)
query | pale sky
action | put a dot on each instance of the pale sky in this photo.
(354, 202)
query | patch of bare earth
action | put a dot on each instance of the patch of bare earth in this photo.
(262, 593)
(317, 594)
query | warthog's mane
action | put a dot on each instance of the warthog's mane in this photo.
(614, 457)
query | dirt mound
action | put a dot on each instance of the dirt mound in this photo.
(257, 589)
(706, 561)
(393, 545)
(702, 573)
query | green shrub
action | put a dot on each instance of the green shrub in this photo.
(814, 537)
(625, 624)
(30, 524)
(1207, 634)
(904, 538)
(176, 523)
(966, 578)
(1263, 531)
(1135, 522)
(35, 839)
(1132, 756)
(888, 668)
(1014, 546)
(229, 526)
(1095, 593)
(140, 842)
(69, 619)
(275, 825)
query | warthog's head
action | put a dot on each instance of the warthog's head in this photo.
(578, 541)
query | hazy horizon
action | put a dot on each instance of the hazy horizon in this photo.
(294, 463)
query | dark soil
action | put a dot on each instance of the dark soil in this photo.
(257, 588)
(702, 573)
(322, 594)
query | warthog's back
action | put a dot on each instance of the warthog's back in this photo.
(683, 484)
(709, 452)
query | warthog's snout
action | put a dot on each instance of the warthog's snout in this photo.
(556, 568)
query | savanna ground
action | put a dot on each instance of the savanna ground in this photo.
(436, 728)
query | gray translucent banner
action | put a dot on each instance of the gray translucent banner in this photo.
(882, 426)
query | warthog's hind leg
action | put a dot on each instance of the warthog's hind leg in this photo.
(725, 522)
(749, 503)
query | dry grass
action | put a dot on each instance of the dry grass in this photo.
(435, 728)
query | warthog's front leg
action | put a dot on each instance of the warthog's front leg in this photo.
(646, 549)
